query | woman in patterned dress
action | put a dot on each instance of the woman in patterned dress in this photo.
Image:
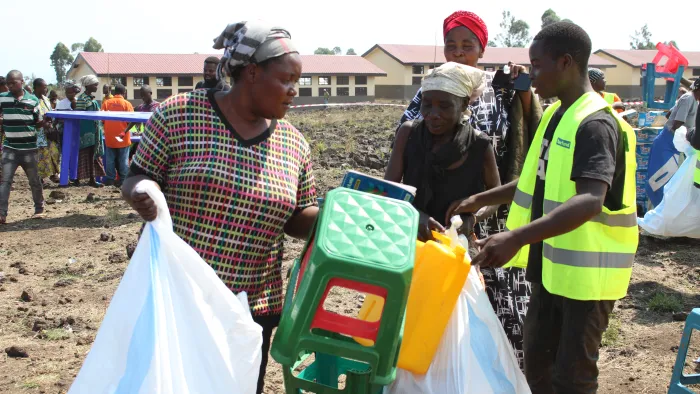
(48, 156)
(236, 177)
(509, 119)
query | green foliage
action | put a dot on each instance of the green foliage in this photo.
(549, 17)
(351, 52)
(91, 45)
(515, 33)
(642, 39)
(61, 59)
(324, 51)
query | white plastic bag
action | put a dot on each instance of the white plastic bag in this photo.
(678, 214)
(474, 355)
(172, 326)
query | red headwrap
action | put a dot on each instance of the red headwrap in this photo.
(469, 20)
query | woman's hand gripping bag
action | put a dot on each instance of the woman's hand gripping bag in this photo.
(474, 355)
(172, 325)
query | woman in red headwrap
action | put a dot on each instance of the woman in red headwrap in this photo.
(510, 119)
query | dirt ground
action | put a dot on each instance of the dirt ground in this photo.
(57, 275)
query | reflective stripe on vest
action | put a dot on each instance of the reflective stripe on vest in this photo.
(593, 261)
(696, 176)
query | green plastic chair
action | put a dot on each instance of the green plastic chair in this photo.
(362, 242)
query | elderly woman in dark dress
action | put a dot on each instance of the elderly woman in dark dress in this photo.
(510, 120)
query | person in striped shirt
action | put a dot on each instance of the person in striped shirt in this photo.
(20, 118)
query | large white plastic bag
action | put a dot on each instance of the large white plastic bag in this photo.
(474, 355)
(678, 214)
(172, 325)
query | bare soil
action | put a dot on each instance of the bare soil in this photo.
(57, 275)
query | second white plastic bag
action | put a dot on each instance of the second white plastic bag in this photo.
(474, 355)
(172, 326)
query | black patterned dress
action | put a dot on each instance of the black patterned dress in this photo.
(507, 288)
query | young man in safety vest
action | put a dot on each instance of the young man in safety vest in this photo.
(572, 220)
(694, 138)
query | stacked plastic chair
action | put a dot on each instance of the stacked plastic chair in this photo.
(672, 69)
(361, 242)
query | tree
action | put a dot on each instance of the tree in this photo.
(549, 17)
(672, 42)
(351, 52)
(60, 60)
(515, 33)
(323, 51)
(642, 39)
(337, 51)
(91, 45)
(491, 44)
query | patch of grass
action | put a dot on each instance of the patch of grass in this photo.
(611, 336)
(113, 214)
(29, 385)
(56, 334)
(320, 147)
(662, 302)
(350, 145)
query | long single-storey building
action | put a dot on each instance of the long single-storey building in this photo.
(406, 65)
(345, 78)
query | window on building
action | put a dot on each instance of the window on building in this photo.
(118, 81)
(164, 81)
(360, 91)
(305, 81)
(342, 81)
(305, 92)
(324, 80)
(140, 81)
(489, 69)
(418, 70)
(185, 81)
(361, 80)
(696, 72)
(343, 91)
(163, 94)
(322, 91)
(417, 80)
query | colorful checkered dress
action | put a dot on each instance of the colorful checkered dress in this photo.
(229, 198)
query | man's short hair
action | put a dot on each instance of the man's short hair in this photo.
(563, 38)
(120, 89)
(37, 82)
(146, 88)
(3, 81)
(211, 60)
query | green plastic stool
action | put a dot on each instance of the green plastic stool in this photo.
(322, 376)
(363, 242)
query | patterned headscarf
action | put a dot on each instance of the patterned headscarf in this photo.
(245, 43)
(89, 80)
(595, 75)
(70, 84)
(469, 20)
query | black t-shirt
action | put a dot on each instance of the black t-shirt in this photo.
(599, 154)
(212, 84)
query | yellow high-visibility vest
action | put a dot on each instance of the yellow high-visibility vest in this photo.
(609, 97)
(594, 261)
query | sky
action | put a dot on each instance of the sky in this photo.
(160, 26)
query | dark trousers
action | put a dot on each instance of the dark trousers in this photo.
(11, 160)
(268, 323)
(561, 340)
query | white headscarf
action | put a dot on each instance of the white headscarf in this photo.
(456, 79)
